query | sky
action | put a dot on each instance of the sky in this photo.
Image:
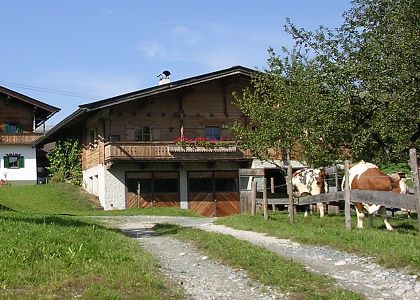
(68, 53)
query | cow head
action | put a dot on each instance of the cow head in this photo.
(398, 183)
(320, 180)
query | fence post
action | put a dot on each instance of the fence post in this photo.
(138, 194)
(273, 206)
(415, 171)
(347, 215)
(253, 198)
(290, 192)
(265, 199)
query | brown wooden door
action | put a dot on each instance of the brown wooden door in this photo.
(156, 189)
(213, 193)
(227, 204)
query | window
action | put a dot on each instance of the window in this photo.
(213, 133)
(12, 128)
(200, 182)
(13, 161)
(152, 182)
(142, 133)
(115, 137)
(212, 181)
(93, 133)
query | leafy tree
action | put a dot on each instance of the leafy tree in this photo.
(370, 65)
(352, 92)
(65, 164)
(283, 109)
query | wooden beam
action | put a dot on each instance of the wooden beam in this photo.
(290, 192)
(387, 199)
(253, 198)
(265, 199)
(347, 212)
(415, 171)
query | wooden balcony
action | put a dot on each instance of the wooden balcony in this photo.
(18, 138)
(160, 151)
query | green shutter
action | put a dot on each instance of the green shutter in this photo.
(21, 162)
(6, 128)
(6, 162)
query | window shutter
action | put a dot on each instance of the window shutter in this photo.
(21, 162)
(6, 162)
(6, 128)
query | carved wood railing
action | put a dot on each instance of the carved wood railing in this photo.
(18, 138)
(168, 151)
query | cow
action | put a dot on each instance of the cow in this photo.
(310, 182)
(367, 176)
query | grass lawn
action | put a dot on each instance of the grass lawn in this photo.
(399, 248)
(261, 264)
(59, 257)
(48, 251)
(66, 199)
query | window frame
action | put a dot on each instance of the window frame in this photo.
(140, 135)
(18, 164)
(211, 135)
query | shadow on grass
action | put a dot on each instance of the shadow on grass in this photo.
(5, 208)
(47, 220)
(167, 229)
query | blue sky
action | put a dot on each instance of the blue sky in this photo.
(99, 49)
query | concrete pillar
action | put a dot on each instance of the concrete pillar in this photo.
(183, 188)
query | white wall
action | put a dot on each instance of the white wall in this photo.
(109, 187)
(28, 173)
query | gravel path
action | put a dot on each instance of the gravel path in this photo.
(350, 272)
(200, 277)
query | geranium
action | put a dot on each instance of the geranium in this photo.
(198, 142)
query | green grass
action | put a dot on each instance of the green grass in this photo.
(46, 199)
(66, 199)
(56, 257)
(399, 248)
(261, 264)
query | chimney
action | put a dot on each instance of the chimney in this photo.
(164, 77)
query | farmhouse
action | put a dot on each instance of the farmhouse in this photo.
(137, 149)
(20, 115)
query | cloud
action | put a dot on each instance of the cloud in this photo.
(94, 85)
(186, 34)
(106, 11)
(150, 48)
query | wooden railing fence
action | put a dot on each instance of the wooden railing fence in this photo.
(387, 199)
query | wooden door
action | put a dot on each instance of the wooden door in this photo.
(146, 189)
(213, 193)
(226, 185)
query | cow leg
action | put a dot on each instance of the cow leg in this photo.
(371, 220)
(382, 212)
(307, 210)
(360, 215)
(321, 209)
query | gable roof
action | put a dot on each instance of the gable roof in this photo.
(86, 110)
(44, 111)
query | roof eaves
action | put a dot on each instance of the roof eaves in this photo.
(27, 99)
(167, 87)
(78, 113)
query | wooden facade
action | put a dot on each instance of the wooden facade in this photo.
(20, 115)
(130, 131)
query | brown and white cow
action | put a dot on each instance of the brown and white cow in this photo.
(310, 182)
(367, 176)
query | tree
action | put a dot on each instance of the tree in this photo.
(352, 92)
(371, 66)
(65, 163)
(283, 107)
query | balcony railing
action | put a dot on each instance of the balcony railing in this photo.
(170, 151)
(18, 138)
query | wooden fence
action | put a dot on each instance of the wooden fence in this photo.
(387, 199)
